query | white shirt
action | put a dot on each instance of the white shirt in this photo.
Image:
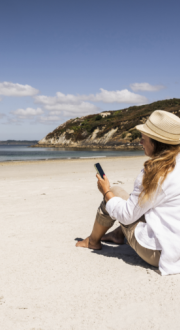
(162, 228)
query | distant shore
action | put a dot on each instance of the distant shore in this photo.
(124, 146)
(17, 142)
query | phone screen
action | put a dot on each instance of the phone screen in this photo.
(99, 169)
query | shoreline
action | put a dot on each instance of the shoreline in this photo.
(33, 161)
(29, 154)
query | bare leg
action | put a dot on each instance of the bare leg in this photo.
(93, 241)
(115, 236)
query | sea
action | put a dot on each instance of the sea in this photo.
(10, 153)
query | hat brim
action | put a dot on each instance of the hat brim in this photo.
(147, 131)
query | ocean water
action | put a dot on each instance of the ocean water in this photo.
(23, 153)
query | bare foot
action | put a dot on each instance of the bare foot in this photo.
(115, 236)
(88, 243)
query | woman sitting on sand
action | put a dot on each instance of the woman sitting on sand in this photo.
(150, 217)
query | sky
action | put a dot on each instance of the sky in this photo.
(67, 59)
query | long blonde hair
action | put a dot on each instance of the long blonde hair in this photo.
(157, 168)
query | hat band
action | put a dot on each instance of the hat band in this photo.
(160, 132)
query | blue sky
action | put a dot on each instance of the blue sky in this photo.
(65, 59)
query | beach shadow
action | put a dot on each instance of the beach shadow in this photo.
(123, 252)
(78, 239)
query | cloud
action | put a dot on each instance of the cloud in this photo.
(48, 119)
(11, 89)
(71, 109)
(123, 96)
(27, 113)
(67, 105)
(72, 105)
(146, 87)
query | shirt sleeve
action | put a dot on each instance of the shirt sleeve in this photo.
(127, 212)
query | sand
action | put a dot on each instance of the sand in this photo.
(46, 283)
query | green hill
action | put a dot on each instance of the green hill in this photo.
(107, 129)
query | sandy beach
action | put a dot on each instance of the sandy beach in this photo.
(46, 283)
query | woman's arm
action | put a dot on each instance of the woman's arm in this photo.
(128, 211)
(104, 187)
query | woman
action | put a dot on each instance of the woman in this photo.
(150, 217)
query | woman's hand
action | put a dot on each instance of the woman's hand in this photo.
(103, 184)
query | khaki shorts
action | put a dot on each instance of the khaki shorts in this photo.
(103, 218)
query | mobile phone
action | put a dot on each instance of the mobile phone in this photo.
(99, 169)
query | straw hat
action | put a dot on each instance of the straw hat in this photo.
(162, 126)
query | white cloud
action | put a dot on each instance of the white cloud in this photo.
(48, 119)
(11, 89)
(72, 105)
(123, 96)
(146, 87)
(27, 113)
(67, 105)
(82, 107)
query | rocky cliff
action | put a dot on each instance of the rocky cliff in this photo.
(110, 129)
